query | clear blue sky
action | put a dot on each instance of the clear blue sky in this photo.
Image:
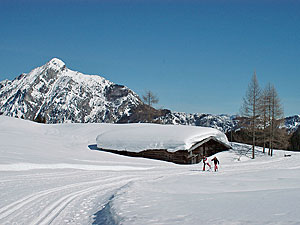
(197, 56)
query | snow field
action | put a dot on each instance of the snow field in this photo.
(49, 175)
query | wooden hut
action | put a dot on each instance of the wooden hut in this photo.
(172, 143)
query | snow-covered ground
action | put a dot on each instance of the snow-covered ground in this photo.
(53, 174)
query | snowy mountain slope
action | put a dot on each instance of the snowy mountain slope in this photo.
(292, 123)
(223, 122)
(4, 83)
(49, 175)
(61, 95)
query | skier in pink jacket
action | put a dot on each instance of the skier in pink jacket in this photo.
(205, 162)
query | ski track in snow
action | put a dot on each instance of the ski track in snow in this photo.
(52, 210)
(55, 200)
(43, 176)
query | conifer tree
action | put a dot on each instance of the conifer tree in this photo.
(295, 140)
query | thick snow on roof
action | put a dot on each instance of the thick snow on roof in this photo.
(140, 137)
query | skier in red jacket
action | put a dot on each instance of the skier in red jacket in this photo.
(216, 162)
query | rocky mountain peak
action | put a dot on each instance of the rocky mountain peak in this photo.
(56, 64)
(60, 95)
(292, 123)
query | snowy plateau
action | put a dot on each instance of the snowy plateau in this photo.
(52, 174)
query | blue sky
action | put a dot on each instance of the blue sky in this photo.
(197, 56)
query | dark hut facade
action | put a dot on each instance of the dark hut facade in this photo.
(207, 147)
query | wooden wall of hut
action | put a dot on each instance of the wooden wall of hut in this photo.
(208, 149)
(180, 157)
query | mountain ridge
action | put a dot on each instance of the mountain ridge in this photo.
(59, 95)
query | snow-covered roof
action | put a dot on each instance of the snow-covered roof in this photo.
(140, 137)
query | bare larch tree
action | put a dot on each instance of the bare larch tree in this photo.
(275, 116)
(149, 99)
(264, 119)
(250, 109)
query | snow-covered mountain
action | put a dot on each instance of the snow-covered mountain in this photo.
(59, 95)
(222, 122)
(292, 123)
